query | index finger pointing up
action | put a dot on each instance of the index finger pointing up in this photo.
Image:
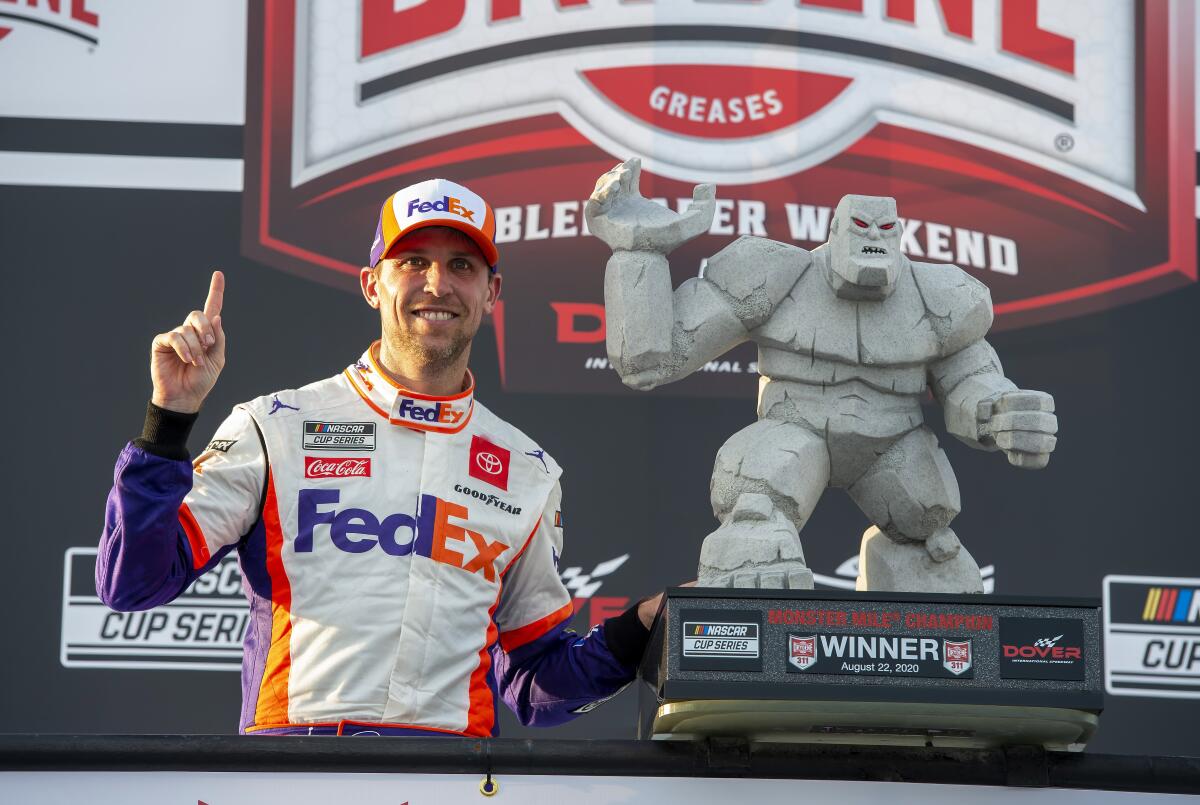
(216, 295)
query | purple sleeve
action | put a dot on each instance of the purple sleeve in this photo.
(144, 558)
(560, 675)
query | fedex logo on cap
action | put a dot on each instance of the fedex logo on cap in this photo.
(447, 204)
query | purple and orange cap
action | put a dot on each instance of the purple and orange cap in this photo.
(436, 202)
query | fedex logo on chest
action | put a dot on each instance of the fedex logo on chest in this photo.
(437, 531)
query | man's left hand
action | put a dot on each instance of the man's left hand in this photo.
(649, 608)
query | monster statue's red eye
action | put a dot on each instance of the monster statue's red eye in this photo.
(859, 222)
(886, 227)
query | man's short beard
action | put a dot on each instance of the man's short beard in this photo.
(433, 359)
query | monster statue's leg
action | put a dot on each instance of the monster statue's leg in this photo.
(911, 495)
(766, 482)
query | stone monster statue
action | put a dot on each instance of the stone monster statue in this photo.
(850, 335)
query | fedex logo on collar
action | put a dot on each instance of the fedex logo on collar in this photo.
(432, 532)
(447, 204)
(441, 412)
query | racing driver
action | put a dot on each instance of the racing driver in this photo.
(387, 488)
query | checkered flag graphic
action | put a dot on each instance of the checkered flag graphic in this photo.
(1046, 642)
(585, 585)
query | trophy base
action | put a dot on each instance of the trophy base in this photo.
(876, 723)
(873, 668)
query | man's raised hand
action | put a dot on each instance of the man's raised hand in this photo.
(185, 362)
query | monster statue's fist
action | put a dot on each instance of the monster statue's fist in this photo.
(619, 215)
(1022, 424)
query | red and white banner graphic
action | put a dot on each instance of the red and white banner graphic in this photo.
(1045, 147)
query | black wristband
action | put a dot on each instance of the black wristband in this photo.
(165, 433)
(626, 637)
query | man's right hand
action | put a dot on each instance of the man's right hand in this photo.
(185, 362)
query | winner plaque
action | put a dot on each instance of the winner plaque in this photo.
(944, 670)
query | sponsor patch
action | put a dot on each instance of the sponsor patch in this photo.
(720, 640)
(321, 467)
(201, 630)
(447, 204)
(489, 462)
(1152, 636)
(436, 415)
(221, 445)
(339, 435)
(880, 655)
(436, 530)
(1041, 648)
(487, 498)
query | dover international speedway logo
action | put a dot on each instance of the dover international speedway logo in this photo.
(1070, 123)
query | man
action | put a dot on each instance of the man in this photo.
(398, 542)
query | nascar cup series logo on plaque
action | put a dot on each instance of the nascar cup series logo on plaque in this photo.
(1071, 122)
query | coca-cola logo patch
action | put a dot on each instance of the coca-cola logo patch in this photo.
(320, 467)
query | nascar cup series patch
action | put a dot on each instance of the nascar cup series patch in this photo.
(339, 435)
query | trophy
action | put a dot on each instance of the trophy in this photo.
(850, 335)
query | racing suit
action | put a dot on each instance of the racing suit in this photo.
(399, 552)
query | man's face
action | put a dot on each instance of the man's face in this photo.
(432, 290)
(864, 247)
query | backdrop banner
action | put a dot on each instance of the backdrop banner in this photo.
(1044, 147)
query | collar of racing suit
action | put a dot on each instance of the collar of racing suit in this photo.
(408, 408)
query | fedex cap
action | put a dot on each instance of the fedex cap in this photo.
(436, 202)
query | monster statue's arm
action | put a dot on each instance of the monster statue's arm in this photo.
(964, 383)
(656, 335)
(987, 411)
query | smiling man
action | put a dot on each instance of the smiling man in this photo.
(386, 489)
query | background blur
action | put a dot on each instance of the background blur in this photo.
(1048, 148)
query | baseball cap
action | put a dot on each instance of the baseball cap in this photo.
(436, 202)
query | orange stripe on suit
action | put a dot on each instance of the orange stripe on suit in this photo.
(273, 690)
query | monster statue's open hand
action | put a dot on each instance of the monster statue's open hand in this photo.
(1022, 424)
(619, 215)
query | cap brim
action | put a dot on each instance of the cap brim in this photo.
(486, 247)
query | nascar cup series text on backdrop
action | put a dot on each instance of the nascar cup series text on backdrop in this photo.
(850, 336)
